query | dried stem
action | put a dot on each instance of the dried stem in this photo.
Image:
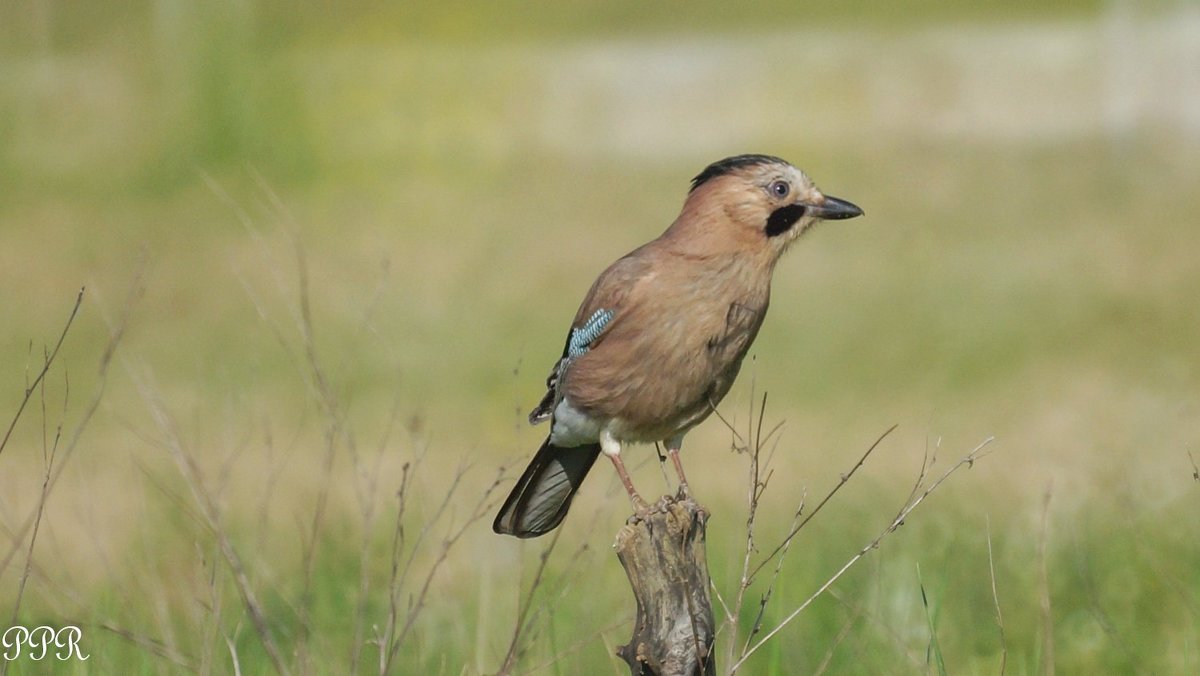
(510, 657)
(367, 488)
(41, 506)
(156, 648)
(837, 641)
(756, 627)
(116, 333)
(996, 601)
(398, 538)
(48, 457)
(46, 363)
(754, 492)
(916, 497)
(190, 472)
(1044, 587)
(391, 642)
(843, 480)
(898, 642)
(333, 417)
(578, 645)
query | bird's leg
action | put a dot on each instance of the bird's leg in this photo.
(673, 446)
(638, 503)
(612, 448)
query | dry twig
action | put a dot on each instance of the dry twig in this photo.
(996, 601)
(1044, 587)
(190, 471)
(916, 497)
(116, 333)
(30, 388)
(523, 608)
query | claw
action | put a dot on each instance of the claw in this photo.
(640, 506)
(684, 493)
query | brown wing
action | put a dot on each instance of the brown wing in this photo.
(609, 293)
(684, 324)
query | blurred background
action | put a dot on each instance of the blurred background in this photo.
(334, 249)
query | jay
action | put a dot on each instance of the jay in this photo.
(660, 336)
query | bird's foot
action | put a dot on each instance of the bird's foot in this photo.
(667, 504)
(640, 506)
(641, 510)
(684, 493)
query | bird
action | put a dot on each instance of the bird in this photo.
(662, 332)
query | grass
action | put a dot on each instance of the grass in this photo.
(323, 286)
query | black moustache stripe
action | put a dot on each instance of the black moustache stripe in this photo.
(782, 219)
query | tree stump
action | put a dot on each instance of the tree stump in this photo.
(662, 551)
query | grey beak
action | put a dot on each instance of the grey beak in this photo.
(835, 209)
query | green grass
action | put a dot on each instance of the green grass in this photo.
(453, 197)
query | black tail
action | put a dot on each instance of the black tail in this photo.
(543, 494)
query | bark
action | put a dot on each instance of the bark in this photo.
(663, 553)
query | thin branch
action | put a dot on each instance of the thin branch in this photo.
(1095, 605)
(996, 601)
(393, 640)
(48, 456)
(397, 546)
(565, 584)
(578, 645)
(116, 333)
(1044, 587)
(49, 360)
(208, 510)
(333, 415)
(37, 521)
(753, 493)
(845, 478)
(766, 597)
(909, 506)
(898, 642)
(367, 488)
(482, 507)
(739, 444)
(214, 611)
(837, 640)
(151, 646)
(523, 608)
(725, 609)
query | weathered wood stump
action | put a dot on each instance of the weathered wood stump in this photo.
(663, 554)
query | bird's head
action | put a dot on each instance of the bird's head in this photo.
(754, 203)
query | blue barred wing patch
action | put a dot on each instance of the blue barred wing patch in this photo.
(582, 337)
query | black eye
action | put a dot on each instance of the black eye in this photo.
(779, 188)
